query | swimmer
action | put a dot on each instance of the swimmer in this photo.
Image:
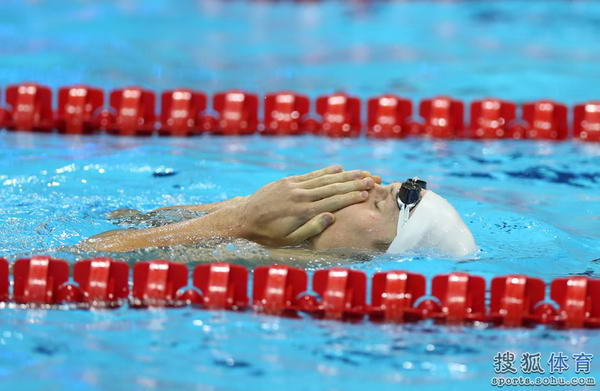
(323, 210)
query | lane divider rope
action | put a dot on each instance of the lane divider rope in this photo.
(336, 293)
(184, 112)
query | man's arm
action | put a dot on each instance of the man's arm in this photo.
(224, 222)
(208, 207)
(282, 213)
(134, 216)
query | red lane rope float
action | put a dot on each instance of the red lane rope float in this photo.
(4, 284)
(514, 299)
(340, 115)
(577, 297)
(276, 289)
(545, 120)
(102, 281)
(462, 298)
(586, 121)
(133, 109)
(237, 113)
(3, 113)
(492, 119)
(184, 112)
(156, 283)
(393, 296)
(389, 117)
(30, 108)
(223, 286)
(39, 280)
(443, 117)
(337, 293)
(78, 109)
(286, 114)
(342, 295)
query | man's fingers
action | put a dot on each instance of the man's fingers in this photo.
(329, 179)
(315, 174)
(322, 192)
(337, 202)
(312, 227)
(376, 178)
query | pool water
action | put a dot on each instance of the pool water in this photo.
(534, 207)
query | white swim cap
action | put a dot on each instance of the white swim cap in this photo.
(435, 225)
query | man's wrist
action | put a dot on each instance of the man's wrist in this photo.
(234, 222)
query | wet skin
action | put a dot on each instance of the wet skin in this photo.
(371, 224)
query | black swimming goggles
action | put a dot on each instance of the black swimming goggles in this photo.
(409, 194)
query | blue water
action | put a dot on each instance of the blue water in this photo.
(518, 50)
(534, 208)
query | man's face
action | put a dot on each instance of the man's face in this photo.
(371, 224)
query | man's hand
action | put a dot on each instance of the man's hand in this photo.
(288, 211)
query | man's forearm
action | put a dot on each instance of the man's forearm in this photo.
(208, 207)
(225, 222)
